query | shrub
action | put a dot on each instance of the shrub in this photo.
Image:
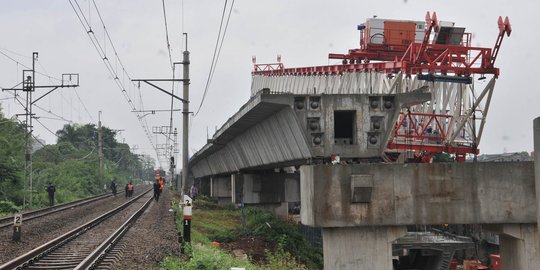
(212, 258)
(266, 224)
(281, 259)
(8, 207)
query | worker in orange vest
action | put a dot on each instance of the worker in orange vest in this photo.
(130, 188)
(157, 190)
(161, 183)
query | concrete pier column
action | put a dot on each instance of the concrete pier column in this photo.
(234, 187)
(272, 191)
(360, 248)
(519, 246)
(536, 133)
(220, 188)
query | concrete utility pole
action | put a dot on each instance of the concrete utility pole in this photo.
(185, 121)
(185, 111)
(100, 150)
(536, 136)
(29, 86)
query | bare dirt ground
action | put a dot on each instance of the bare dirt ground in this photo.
(253, 247)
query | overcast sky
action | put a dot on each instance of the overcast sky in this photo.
(302, 31)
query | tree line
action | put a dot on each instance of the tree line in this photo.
(72, 164)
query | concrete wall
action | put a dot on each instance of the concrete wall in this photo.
(360, 248)
(536, 130)
(221, 188)
(407, 194)
(271, 188)
(292, 187)
(518, 245)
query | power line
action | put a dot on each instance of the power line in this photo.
(168, 140)
(119, 61)
(44, 126)
(59, 156)
(19, 63)
(102, 53)
(213, 58)
(167, 34)
(84, 106)
(217, 52)
(17, 97)
(16, 53)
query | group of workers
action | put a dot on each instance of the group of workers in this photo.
(129, 189)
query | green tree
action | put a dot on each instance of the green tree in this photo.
(71, 163)
(12, 145)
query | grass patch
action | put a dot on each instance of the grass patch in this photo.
(212, 223)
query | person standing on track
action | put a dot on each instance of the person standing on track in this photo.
(51, 189)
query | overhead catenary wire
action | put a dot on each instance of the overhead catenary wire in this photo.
(168, 140)
(101, 52)
(106, 33)
(17, 97)
(84, 106)
(167, 33)
(46, 74)
(47, 128)
(27, 67)
(59, 156)
(217, 52)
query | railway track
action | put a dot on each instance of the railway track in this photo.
(86, 246)
(8, 221)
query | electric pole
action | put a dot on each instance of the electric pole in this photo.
(185, 123)
(100, 150)
(185, 111)
(29, 87)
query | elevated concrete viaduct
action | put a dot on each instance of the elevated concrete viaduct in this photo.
(286, 130)
(276, 150)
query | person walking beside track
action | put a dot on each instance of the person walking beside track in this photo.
(157, 190)
(131, 188)
(161, 184)
(113, 187)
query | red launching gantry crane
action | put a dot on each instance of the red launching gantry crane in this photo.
(397, 56)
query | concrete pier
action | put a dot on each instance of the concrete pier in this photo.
(360, 206)
(367, 248)
(273, 191)
(536, 132)
(518, 246)
(221, 188)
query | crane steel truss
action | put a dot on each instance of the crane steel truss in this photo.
(452, 121)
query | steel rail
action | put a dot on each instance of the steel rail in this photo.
(49, 210)
(34, 255)
(93, 260)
